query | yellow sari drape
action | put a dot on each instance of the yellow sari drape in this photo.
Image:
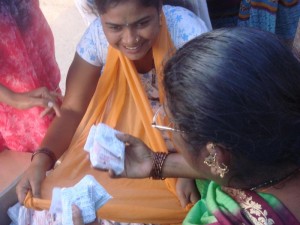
(120, 101)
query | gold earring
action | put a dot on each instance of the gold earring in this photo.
(210, 160)
(222, 170)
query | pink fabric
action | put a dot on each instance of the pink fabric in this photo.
(27, 61)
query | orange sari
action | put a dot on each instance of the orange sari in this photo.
(120, 101)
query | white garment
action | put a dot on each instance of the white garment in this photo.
(183, 25)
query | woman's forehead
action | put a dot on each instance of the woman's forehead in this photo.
(128, 12)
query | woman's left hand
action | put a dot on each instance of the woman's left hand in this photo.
(187, 192)
(50, 100)
(138, 158)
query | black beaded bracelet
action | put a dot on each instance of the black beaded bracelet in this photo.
(47, 152)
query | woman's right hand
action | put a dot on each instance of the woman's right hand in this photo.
(42, 97)
(138, 158)
(33, 177)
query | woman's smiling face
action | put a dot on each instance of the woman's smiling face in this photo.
(131, 28)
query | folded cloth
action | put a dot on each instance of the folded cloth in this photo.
(106, 151)
(87, 194)
(13, 213)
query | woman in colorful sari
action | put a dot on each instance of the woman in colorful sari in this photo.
(29, 75)
(235, 124)
(124, 50)
(279, 16)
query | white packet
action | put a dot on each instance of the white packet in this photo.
(106, 151)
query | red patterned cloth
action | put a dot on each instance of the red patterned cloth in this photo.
(27, 61)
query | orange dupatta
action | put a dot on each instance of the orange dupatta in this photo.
(120, 101)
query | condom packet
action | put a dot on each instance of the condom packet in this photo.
(106, 150)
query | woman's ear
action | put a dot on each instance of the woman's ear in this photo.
(217, 159)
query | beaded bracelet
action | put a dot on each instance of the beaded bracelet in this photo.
(47, 152)
(158, 161)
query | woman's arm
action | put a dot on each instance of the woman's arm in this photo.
(139, 161)
(81, 83)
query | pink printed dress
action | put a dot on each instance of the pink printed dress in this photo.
(27, 61)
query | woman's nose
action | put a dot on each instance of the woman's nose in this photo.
(129, 36)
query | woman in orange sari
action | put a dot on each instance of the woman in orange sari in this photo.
(127, 46)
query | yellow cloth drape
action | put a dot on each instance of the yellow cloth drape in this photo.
(120, 101)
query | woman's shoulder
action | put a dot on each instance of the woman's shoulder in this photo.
(183, 24)
(93, 44)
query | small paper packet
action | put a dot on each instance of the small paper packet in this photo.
(87, 194)
(106, 151)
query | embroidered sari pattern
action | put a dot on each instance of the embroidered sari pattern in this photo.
(251, 209)
(223, 205)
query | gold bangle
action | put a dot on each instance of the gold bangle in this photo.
(157, 165)
(47, 152)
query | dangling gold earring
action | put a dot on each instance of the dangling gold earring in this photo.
(222, 170)
(211, 161)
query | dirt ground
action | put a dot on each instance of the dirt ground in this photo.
(67, 26)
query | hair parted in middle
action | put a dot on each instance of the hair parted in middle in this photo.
(104, 5)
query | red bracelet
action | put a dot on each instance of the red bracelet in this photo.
(158, 162)
(48, 152)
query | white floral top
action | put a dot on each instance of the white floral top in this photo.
(183, 25)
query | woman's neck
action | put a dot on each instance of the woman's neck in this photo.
(145, 64)
(288, 193)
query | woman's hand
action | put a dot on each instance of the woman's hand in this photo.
(77, 217)
(187, 192)
(138, 158)
(33, 177)
(42, 97)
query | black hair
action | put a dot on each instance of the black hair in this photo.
(20, 10)
(238, 87)
(103, 5)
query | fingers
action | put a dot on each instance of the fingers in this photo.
(112, 174)
(187, 200)
(195, 197)
(183, 199)
(126, 138)
(49, 106)
(187, 192)
(22, 189)
(76, 215)
(36, 189)
(50, 100)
